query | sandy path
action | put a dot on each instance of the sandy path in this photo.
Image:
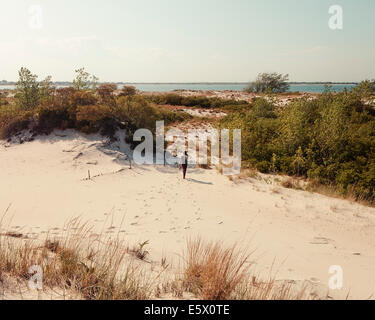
(306, 233)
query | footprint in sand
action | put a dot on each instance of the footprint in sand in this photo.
(321, 240)
(94, 235)
(314, 280)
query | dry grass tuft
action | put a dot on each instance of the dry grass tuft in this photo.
(273, 290)
(205, 166)
(95, 267)
(275, 190)
(100, 267)
(291, 183)
(140, 252)
(213, 272)
(334, 192)
(244, 175)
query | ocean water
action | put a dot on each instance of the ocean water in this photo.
(167, 87)
(311, 88)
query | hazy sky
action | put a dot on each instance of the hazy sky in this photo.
(187, 41)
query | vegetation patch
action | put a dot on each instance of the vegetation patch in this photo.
(41, 108)
(329, 140)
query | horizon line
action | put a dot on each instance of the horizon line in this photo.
(6, 82)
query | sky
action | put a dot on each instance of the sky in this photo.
(187, 41)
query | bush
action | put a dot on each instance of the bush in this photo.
(194, 101)
(269, 83)
(83, 98)
(13, 121)
(96, 118)
(330, 140)
(106, 92)
(128, 91)
(3, 102)
(82, 110)
(50, 118)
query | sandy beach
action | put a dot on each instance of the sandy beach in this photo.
(296, 235)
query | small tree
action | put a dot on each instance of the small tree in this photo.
(269, 83)
(273, 166)
(84, 80)
(27, 89)
(298, 161)
(46, 90)
(128, 91)
(366, 88)
(106, 91)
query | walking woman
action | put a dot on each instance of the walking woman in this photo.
(184, 163)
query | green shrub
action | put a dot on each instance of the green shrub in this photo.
(96, 118)
(194, 101)
(50, 118)
(269, 83)
(13, 121)
(330, 140)
(3, 102)
(128, 91)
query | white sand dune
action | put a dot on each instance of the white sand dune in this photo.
(297, 234)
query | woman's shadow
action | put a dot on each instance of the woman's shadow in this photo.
(198, 181)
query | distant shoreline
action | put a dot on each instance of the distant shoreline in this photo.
(308, 87)
(10, 83)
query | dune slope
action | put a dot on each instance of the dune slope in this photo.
(296, 235)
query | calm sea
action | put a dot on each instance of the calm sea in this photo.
(165, 87)
(312, 88)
